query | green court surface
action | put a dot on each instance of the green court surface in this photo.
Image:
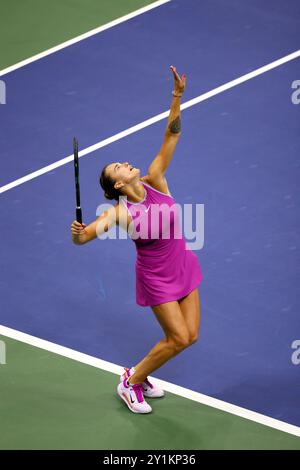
(51, 402)
(31, 26)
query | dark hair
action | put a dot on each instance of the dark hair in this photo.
(107, 184)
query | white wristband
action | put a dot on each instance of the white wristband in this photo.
(174, 94)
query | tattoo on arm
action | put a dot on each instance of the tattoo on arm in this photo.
(175, 126)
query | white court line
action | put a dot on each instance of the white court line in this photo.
(167, 386)
(152, 120)
(83, 36)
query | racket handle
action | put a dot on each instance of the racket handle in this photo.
(79, 215)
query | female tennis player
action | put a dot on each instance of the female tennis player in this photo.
(167, 271)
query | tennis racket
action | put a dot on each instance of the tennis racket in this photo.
(76, 168)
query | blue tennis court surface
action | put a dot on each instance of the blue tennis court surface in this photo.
(238, 155)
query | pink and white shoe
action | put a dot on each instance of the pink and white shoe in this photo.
(132, 395)
(149, 389)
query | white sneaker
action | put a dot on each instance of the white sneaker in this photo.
(149, 389)
(133, 397)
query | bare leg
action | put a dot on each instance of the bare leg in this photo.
(170, 317)
(190, 307)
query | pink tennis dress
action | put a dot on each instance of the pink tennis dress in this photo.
(166, 268)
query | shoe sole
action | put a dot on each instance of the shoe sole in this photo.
(151, 396)
(123, 396)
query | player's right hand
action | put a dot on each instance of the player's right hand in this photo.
(77, 228)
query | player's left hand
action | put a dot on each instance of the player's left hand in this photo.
(179, 83)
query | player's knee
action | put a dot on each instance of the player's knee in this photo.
(180, 342)
(193, 338)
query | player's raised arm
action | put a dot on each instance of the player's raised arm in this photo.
(82, 233)
(173, 130)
